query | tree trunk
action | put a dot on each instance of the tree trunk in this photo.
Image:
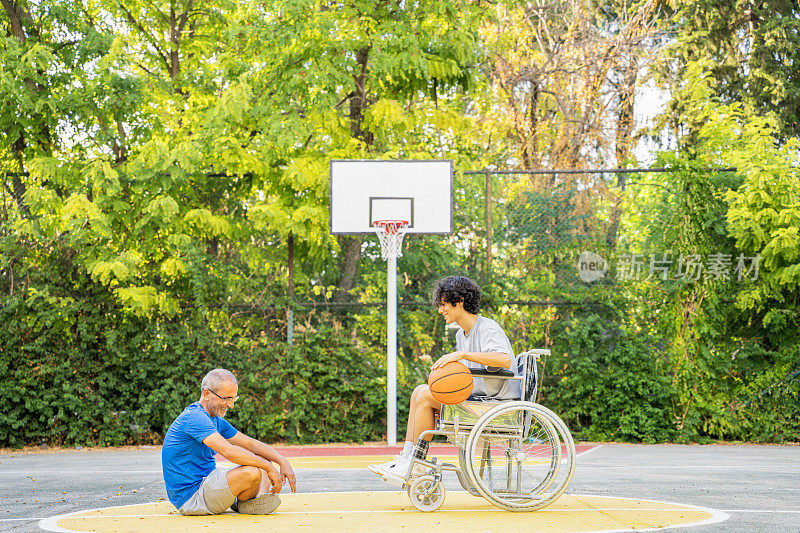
(358, 103)
(19, 19)
(18, 186)
(535, 161)
(624, 140)
(623, 144)
(351, 256)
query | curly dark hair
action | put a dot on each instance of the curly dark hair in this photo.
(454, 289)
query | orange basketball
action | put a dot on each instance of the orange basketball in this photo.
(451, 383)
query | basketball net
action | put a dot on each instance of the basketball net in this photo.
(390, 234)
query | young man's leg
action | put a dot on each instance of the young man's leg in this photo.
(422, 413)
(421, 418)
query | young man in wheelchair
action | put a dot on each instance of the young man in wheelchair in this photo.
(480, 344)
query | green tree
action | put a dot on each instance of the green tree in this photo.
(363, 79)
(728, 336)
(750, 50)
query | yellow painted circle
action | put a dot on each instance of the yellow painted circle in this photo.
(328, 462)
(392, 511)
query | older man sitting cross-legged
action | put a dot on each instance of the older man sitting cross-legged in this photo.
(194, 485)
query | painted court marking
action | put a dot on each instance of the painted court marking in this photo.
(356, 458)
(392, 511)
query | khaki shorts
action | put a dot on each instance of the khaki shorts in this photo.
(213, 497)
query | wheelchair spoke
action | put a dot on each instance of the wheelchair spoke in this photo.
(518, 461)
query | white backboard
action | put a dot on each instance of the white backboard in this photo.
(419, 191)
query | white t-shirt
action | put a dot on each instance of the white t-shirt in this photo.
(486, 336)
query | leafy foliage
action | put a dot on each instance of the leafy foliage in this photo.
(79, 373)
(748, 50)
(164, 212)
(612, 383)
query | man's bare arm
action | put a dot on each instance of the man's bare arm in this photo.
(268, 452)
(257, 447)
(244, 457)
(494, 359)
(236, 454)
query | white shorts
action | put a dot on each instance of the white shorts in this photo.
(213, 497)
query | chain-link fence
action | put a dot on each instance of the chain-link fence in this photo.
(599, 266)
(546, 238)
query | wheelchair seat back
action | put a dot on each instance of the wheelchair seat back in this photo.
(527, 367)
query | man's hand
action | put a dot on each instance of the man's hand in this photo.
(276, 480)
(267, 452)
(449, 358)
(287, 474)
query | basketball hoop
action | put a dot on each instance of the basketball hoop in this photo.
(390, 234)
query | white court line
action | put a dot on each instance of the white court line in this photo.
(340, 458)
(685, 467)
(590, 450)
(683, 509)
(584, 466)
(51, 523)
(786, 468)
(366, 511)
(85, 471)
(760, 511)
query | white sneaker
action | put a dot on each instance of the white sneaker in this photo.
(264, 504)
(391, 466)
(394, 472)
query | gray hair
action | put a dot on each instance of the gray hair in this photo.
(214, 379)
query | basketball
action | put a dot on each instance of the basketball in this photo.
(451, 384)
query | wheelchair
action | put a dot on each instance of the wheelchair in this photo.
(516, 454)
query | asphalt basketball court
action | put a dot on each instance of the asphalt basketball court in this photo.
(616, 487)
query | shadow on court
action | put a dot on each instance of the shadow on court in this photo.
(757, 487)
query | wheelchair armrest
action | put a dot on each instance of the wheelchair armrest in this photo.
(504, 374)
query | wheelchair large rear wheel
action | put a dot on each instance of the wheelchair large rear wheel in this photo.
(520, 456)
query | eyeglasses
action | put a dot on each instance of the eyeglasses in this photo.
(224, 398)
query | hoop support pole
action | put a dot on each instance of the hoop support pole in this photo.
(391, 350)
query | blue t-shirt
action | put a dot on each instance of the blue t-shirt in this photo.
(185, 460)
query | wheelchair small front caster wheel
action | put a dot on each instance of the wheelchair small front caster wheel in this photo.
(426, 493)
